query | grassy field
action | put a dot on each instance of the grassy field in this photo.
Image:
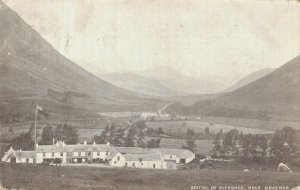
(253, 123)
(51, 177)
(199, 126)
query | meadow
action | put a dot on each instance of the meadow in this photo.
(53, 177)
(180, 127)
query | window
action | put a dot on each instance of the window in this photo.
(171, 156)
(34, 160)
(61, 154)
(133, 164)
(98, 153)
(118, 158)
(44, 154)
(27, 160)
(89, 153)
(153, 165)
(106, 153)
(52, 154)
(79, 153)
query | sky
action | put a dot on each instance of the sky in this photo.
(216, 39)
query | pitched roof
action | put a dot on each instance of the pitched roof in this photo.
(142, 157)
(8, 154)
(135, 150)
(73, 148)
(170, 151)
(181, 153)
(186, 154)
(113, 153)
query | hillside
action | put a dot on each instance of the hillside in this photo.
(181, 83)
(140, 84)
(276, 96)
(32, 70)
(250, 78)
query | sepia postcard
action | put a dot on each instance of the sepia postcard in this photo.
(150, 94)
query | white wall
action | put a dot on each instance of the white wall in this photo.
(145, 164)
(190, 159)
(101, 156)
(115, 162)
(23, 160)
(40, 156)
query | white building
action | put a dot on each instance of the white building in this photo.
(79, 153)
(159, 158)
(134, 157)
(19, 156)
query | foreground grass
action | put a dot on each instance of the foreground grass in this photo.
(51, 177)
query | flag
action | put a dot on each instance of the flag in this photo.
(39, 108)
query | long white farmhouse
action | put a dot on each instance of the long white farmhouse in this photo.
(154, 158)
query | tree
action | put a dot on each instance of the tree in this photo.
(47, 135)
(284, 144)
(190, 133)
(153, 143)
(129, 139)
(230, 141)
(190, 145)
(217, 150)
(141, 138)
(206, 131)
(11, 129)
(25, 141)
(66, 133)
(118, 138)
(160, 131)
(102, 139)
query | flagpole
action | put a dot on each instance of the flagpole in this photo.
(35, 118)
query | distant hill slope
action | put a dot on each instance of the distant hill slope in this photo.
(276, 95)
(30, 69)
(140, 84)
(250, 78)
(181, 83)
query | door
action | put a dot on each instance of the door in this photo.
(13, 160)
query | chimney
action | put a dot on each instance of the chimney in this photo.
(56, 144)
(63, 143)
(37, 145)
(94, 143)
(84, 142)
(108, 144)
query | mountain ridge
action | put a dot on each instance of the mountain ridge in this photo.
(31, 67)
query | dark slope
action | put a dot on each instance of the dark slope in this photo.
(275, 96)
(31, 69)
(250, 78)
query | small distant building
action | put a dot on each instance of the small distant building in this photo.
(149, 115)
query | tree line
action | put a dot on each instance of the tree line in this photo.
(132, 136)
(282, 146)
(62, 132)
